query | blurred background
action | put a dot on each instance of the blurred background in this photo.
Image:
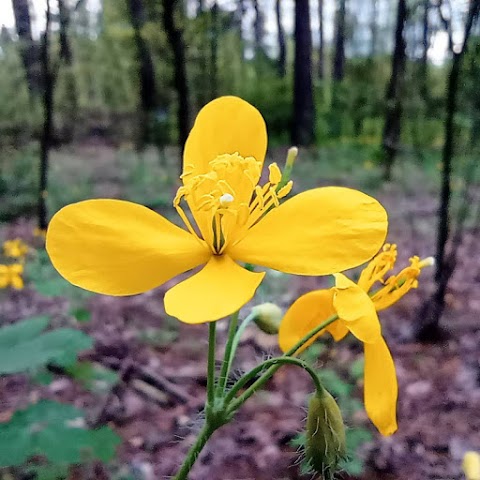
(96, 100)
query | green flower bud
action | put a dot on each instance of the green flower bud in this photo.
(325, 437)
(267, 316)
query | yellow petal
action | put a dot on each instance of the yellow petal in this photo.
(306, 313)
(318, 232)
(225, 125)
(221, 288)
(381, 388)
(338, 330)
(119, 248)
(356, 309)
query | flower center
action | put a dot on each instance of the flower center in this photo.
(226, 200)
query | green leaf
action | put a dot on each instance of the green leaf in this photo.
(49, 472)
(22, 331)
(334, 384)
(93, 376)
(25, 349)
(82, 315)
(55, 431)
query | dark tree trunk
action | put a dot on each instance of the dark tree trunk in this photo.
(239, 14)
(321, 46)
(282, 48)
(303, 132)
(373, 29)
(430, 315)
(200, 6)
(394, 100)
(65, 46)
(425, 45)
(28, 49)
(175, 39)
(146, 70)
(258, 28)
(338, 71)
(214, 52)
(48, 74)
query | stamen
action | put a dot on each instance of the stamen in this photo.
(226, 199)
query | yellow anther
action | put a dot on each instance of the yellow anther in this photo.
(275, 174)
(427, 262)
(285, 190)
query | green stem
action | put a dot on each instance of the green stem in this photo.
(237, 337)
(211, 363)
(222, 381)
(273, 365)
(194, 451)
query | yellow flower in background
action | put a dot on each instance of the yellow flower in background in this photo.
(357, 313)
(16, 248)
(11, 275)
(471, 465)
(39, 232)
(116, 247)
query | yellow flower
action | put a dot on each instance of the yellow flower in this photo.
(39, 232)
(357, 312)
(16, 248)
(471, 465)
(11, 275)
(116, 247)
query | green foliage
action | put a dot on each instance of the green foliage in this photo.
(93, 376)
(55, 431)
(23, 346)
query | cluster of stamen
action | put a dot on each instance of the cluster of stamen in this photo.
(226, 200)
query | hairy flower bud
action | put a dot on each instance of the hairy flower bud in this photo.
(325, 437)
(267, 316)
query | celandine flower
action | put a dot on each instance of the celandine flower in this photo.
(11, 275)
(357, 312)
(120, 248)
(16, 248)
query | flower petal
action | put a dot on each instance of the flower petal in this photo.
(381, 388)
(119, 248)
(356, 309)
(222, 287)
(225, 125)
(318, 232)
(306, 313)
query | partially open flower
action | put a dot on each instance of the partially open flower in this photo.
(267, 317)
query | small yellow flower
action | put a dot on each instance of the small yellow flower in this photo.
(11, 275)
(120, 248)
(357, 312)
(471, 465)
(16, 248)
(39, 232)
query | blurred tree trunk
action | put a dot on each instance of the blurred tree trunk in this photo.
(431, 313)
(146, 71)
(282, 48)
(65, 45)
(28, 49)
(321, 46)
(214, 52)
(374, 29)
(425, 45)
(303, 132)
(338, 70)
(258, 29)
(200, 6)
(175, 39)
(394, 100)
(49, 76)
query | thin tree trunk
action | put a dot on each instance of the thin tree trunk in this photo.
(303, 132)
(28, 49)
(282, 48)
(200, 6)
(65, 45)
(374, 29)
(338, 71)
(258, 28)
(431, 313)
(425, 45)
(321, 46)
(214, 52)
(46, 140)
(394, 97)
(146, 71)
(175, 39)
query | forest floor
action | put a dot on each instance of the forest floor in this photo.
(159, 410)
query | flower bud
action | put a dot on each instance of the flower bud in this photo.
(471, 465)
(325, 437)
(267, 316)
